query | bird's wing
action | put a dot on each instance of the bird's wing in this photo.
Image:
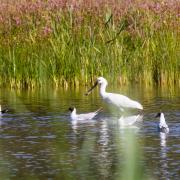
(118, 99)
(161, 125)
(86, 116)
(122, 101)
(164, 129)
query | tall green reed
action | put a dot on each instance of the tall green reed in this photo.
(70, 47)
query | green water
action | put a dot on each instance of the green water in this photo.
(39, 141)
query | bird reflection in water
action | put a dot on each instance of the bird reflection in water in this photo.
(163, 155)
(131, 121)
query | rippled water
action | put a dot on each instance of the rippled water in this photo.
(39, 141)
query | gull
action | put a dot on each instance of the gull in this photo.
(119, 100)
(87, 116)
(3, 111)
(162, 126)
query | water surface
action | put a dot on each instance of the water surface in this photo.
(39, 141)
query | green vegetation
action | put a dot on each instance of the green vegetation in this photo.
(69, 44)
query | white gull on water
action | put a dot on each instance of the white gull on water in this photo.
(86, 116)
(162, 126)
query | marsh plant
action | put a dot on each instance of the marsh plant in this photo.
(69, 43)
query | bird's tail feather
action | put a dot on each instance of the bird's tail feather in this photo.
(99, 110)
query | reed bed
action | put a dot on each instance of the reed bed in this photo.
(70, 43)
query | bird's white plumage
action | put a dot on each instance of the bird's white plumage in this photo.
(121, 101)
(87, 116)
(162, 126)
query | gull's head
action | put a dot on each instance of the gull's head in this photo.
(101, 80)
(159, 114)
(71, 109)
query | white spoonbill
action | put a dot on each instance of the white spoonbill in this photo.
(87, 116)
(162, 126)
(121, 101)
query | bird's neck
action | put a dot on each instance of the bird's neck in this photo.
(73, 114)
(103, 90)
(162, 119)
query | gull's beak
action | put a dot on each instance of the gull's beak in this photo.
(89, 91)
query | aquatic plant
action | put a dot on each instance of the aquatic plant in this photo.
(69, 43)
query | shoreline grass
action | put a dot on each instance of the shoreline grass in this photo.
(67, 43)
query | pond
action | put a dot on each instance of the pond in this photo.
(39, 141)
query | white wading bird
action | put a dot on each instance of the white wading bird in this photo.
(87, 116)
(121, 101)
(3, 111)
(162, 126)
